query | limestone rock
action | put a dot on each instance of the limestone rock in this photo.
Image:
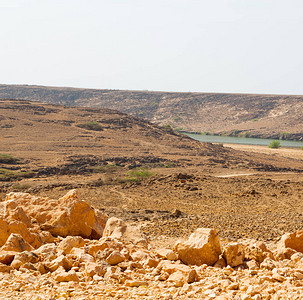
(7, 227)
(24, 257)
(63, 276)
(5, 268)
(234, 254)
(66, 216)
(256, 250)
(85, 258)
(115, 258)
(189, 275)
(298, 274)
(16, 243)
(151, 262)
(100, 222)
(284, 253)
(6, 257)
(102, 244)
(139, 255)
(292, 240)
(15, 212)
(46, 237)
(135, 283)
(221, 263)
(296, 257)
(60, 261)
(166, 254)
(47, 252)
(92, 269)
(268, 264)
(69, 243)
(252, 265)
(177, 278)
(202, 247)
(117, 229)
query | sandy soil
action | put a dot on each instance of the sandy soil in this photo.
(295, 153)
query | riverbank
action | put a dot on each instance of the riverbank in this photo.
(241, 140)
(295, 153)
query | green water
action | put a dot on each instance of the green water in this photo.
(240, 140)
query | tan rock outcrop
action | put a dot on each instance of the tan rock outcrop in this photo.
(66, 216)
(202, 247)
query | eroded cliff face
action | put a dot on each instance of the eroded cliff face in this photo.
(52, 254)
(266, 116)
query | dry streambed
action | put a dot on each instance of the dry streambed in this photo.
(60, 249)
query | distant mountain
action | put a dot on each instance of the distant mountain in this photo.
(267, 116)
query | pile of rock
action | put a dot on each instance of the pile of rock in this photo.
(66, 249)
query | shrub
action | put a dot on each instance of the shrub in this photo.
(109, 168)
(285, 135)
(274, 144)
(20, 187)
(91, 126)
(137, 175)
(8, 159)
(9, 175)
(169, 165)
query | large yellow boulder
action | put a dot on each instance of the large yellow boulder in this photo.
(202, 247)
(67, 216)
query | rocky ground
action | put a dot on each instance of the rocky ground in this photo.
(55, 254)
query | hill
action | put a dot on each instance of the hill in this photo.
(55, 137)
(266, 116)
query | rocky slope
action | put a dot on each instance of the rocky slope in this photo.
(65, 261)
(270, 116)
(53, 139)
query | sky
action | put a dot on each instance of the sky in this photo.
(238, 46)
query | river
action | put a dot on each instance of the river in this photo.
(240, 140)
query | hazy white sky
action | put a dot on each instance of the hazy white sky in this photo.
(252, 46)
